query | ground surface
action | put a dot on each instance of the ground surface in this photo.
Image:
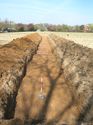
(85, 39)
(7, 37)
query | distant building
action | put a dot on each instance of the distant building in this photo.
(86, 28)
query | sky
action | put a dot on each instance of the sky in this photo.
(71, 12)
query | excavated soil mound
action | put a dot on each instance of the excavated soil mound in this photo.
(14, 58)
(77, 65)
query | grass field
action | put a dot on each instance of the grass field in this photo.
(85, 39)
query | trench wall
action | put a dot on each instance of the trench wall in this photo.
(14, 58)
(76, 62)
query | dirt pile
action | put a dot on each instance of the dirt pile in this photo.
(14, 58)
(77, 66)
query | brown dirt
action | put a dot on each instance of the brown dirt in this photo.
(15, 50)
(76, 61)
(14, 58)
(65, 94)
(57, 99)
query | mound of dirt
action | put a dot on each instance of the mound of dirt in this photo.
(14, 58)
(77, 66)
(34, 37)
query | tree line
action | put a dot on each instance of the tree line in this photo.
(10, 26)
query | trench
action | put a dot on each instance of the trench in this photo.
(51, 91)
(43, 94)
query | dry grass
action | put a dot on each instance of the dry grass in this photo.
(85, 39)
(7, 37)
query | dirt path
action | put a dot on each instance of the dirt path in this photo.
(42, 93)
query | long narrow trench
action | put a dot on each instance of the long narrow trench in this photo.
(43, 94)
